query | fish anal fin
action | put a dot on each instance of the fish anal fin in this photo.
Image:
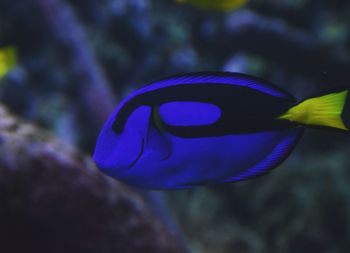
(280, 152)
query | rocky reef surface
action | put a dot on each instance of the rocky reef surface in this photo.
(52, 199)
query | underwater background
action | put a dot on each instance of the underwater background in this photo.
(73, 61)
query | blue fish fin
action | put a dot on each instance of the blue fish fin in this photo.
(157, 142)
(281, 151)
(230, 78)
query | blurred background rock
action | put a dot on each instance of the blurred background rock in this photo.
(53, 199)
(302, 46)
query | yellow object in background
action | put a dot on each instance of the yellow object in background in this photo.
(216, 5)
(7, 60)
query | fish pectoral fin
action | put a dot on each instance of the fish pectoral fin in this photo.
(157, 143)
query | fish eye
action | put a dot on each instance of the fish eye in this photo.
(117, 127)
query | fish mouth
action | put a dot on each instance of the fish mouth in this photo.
(139, 155)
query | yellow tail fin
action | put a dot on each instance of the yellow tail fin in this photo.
(319, 111)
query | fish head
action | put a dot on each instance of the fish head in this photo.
(121, 143)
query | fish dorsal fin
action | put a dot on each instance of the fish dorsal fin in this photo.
(280, 152)
(223, 78)
(229, 78)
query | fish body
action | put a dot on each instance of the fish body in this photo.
(219, 5)
(207, 128)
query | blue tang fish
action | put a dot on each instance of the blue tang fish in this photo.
(208, 128)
